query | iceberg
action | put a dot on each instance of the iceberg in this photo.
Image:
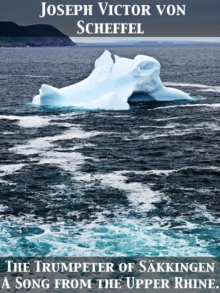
(112, 85)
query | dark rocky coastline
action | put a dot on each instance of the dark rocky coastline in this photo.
(13, 35)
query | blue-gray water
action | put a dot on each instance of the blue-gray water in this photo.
(138, 182)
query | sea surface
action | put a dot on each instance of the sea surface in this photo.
(141, 182)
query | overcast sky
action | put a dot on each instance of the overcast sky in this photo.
(201, 19)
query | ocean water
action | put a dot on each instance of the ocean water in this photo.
(142, 182)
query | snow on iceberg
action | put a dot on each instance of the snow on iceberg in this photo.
(111, 84)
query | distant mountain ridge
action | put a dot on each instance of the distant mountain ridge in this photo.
(145, 43)
(13, 35)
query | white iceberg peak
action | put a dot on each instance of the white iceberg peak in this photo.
(117, 58)
(104, 61)
(111, 85)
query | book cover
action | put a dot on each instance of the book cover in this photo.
(110, 129)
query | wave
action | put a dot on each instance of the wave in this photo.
(25, 75)
(214, 105)
(28, 121)
(186, 84)
(8, 170)
(201, 87)
(121, 237)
